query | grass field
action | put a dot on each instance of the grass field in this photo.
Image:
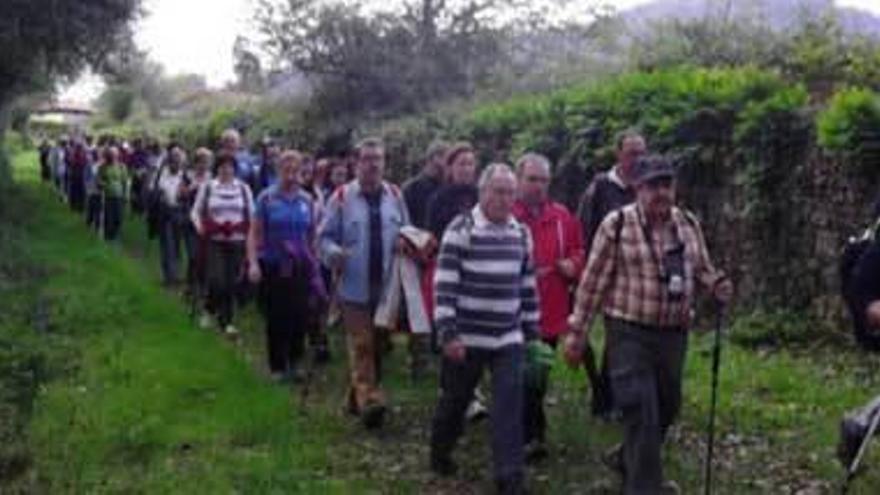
(107, 386)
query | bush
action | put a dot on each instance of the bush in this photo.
(851, 116)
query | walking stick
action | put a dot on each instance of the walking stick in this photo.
(716, 362)
(863, 448)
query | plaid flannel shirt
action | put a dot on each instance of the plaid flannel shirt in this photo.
(624, 279)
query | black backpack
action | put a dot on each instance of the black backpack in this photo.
(850, 256)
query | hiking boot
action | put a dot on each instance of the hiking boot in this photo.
(536, 451)
(852, 434)
(476, 411)
(443, 465)
(669, 487)
(321, 354)
(605, 487)
(510, 486)
(294, 375)
(373, 416)
(613, 459)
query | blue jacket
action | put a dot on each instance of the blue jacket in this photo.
(344, 228)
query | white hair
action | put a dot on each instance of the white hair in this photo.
(536, 158)
(492, 170)
(230, 134)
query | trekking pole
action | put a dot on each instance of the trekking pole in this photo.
(311, 364)
(716, 362)
(863, 448)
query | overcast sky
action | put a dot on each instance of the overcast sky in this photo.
(196, 36)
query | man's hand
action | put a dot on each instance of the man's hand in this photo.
(566, 268)
(574, 348)
(874, 314)
(404, 248)
(723, 291)
(254, 273)
(454, 351)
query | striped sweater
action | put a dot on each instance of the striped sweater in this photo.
(485, 284)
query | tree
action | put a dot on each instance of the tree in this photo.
(369, 62)
(140, 87)
(47, 40)
(247, 67)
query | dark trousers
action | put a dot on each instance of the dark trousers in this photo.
(534, 417)
(137, 187)
(458, 381)
(77, 197)
(224, 273)
(112, 217)
(195, 273)
(287, 309)
(93, 212)
(645, 364)
(171, 234)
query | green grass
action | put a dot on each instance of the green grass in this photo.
(114, 390)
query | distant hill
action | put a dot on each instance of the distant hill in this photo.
(778, 14)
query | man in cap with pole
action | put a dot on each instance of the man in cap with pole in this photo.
(642, 272)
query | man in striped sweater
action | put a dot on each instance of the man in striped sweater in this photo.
(486, 310)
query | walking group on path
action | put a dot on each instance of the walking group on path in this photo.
(478, 264)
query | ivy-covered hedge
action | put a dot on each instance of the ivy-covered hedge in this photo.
(849, 126)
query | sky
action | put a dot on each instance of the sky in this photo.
(196, 36)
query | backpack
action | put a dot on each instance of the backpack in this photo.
(851, 254)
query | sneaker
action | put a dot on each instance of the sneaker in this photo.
(230, 330)
(476, 411)
(373, 416)
(276, 377)
(205, 321)
(443, 465)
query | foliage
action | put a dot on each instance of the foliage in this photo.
(815, 50)
(44, 40)
(388, 62)
(139, 90)
(850, 115)
(660, 104)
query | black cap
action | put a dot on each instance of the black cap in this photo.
(651, 167)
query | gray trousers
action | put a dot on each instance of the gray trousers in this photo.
(645, 365)
(458, 383)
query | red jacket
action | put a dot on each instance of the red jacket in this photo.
(557, 235)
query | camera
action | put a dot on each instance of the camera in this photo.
(673, 262)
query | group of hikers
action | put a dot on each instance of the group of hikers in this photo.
(478, 265)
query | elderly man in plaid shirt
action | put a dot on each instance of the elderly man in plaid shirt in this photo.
(642, 272)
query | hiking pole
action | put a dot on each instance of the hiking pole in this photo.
(863, 448)
(716, 362)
